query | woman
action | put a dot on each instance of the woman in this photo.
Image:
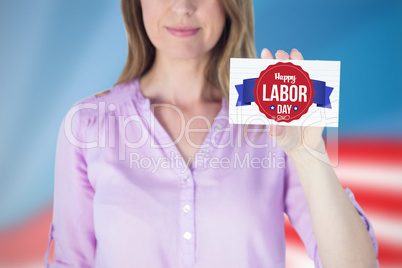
(151, 174)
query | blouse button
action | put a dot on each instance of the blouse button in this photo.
(186, 208)
(218, 128)
(205, 152)
(186, 178)
(187, 235)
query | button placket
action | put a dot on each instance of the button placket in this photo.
(187, 219)
(187, 213)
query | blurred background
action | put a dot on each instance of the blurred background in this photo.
(54, 53)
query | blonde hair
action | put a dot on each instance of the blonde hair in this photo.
(236, 41)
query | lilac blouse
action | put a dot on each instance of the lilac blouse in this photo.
(125, 197)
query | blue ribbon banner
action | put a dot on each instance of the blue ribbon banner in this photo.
(321, 93)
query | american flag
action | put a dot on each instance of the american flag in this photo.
(372, 170)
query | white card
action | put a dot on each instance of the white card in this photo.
(327, 71)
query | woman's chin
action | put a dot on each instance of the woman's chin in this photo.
(181, 53)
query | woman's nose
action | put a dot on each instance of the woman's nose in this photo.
(184, 7)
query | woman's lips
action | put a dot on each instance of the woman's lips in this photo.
(183, 31)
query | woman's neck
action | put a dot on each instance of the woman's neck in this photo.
(179, 82)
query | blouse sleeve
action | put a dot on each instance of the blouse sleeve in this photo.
(296, 208)
(72, 224)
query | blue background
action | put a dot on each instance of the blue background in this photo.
(53, 53)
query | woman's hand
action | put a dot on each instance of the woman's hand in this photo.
(291, 138)
(348, 244)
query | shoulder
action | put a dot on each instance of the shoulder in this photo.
(120, 99)
(114, 99)
(116, 95)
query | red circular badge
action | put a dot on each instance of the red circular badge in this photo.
(283, 92)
